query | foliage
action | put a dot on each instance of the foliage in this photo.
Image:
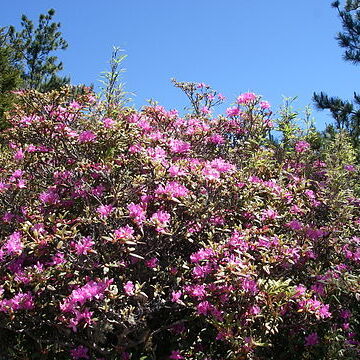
(113, 95)
(153, 236)
(346, 113)
(34, 46)
(9, 77)
(350, 37)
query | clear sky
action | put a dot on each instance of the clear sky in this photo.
(274, 48)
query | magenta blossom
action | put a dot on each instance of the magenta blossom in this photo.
(137, 212)
(80, 352)
(49, 197)
(175, 354)
(312, 339)
(161, 220)
(233, 111)
(152, 263)
(83, 246)
(302, 146)
(172, 189)
(19, 155)
(129, 288)
(14, 245)
(179, 146)
(124, 233)
(175, 296)
(246, 98)
(105, 210)
(108, 123)
(87, 136)
(264, 104)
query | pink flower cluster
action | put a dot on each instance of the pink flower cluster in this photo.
(81, 295)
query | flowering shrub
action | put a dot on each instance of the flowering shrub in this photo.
(149, 235)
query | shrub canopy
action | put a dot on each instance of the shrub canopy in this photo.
(150, 235)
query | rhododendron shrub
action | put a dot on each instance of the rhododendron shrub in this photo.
(158, 236)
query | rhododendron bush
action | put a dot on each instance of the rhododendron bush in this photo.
(149, 235)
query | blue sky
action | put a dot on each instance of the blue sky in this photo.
(274, 48)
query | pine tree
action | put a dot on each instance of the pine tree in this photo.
(33, 48)
(350, 37)
(10, 77)
(346, 113)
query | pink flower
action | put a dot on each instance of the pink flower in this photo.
(345, 314)
(124, 356)
(255, 310)
(300, 291)
(204, 307)
(98, 190)
(17, 173)
(124, 233)
(3, 186)
(175, 354)
(21, 184)
(83, 246)
(202, 254)
(210, 173)
(294, 225)
(350, 168)
(152, 263)
(161, 220)
(302, 146)
(58, 259)
(233, 111)
(216, 139)
(75, 105)
(201, 271)
(250, 286)
(14, 244)
(157, 153)
(205, 110)
(269, 214)
(296, 209)
(137, 212)
(105, 210)
(19, 155)
(246, 98)
(175, 170)
(196, 291)
(129, 288)
(264, 105)
(49, 197)
(135, 148)
(323, 312)
(143, 124)
(84, 315)
(7, 217)
(108, 123)
(82, 294)
(21, 301)
(179, 146)
(87, 136)
(175, 297)
(172, 189)
(222, 165)
(80, 352)
(312, 339)
(310, 194)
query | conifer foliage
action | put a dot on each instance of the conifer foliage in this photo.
(34, 48)
(346, 113)
(9, 76)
